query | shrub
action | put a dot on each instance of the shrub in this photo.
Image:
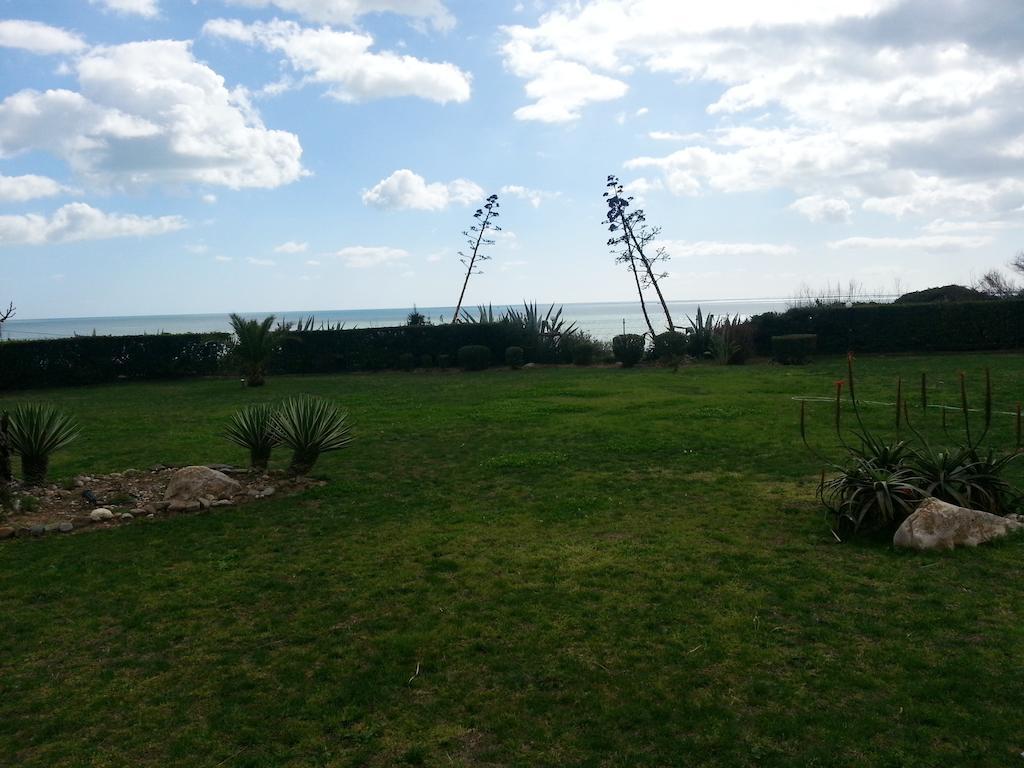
(252, 428)
(669, 346)
(406, 361)
(310, 426)
(97, 359)
(583, 352)
(426, 361)
(444, 361)
(941, 326)
(36, 431)
(514, 357)
(629, 349)
(474, 357)
(794, 348)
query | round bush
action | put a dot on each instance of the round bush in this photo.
(444, 361)
(670, 344)
(407, 361)
(514, 357)
(474, 357)
(426, 361)
(628, 349)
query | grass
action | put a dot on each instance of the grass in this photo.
(512, 568)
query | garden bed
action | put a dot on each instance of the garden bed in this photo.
(130, 496)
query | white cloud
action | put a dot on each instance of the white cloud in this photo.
(685, 249)
(17, 189)
(36, 37)
(560, 89)
(342, 60)
(821, 208)
(146, 8)
(919, 243)
(148, 113)
(362, 256)
(292, 247)
(641, 112)
(347, 12)
(942, 226)
(640, 187)
(534, 196)
(79, 221)
(906, 107)
(209, 198)
(312, 263)
(675, 136)
(404, 189)
(261, 262)
(222, 258)
(197, 248)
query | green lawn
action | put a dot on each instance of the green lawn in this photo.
(590, 567)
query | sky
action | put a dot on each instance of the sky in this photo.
(191, 156)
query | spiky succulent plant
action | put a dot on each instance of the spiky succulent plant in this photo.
(252, 429)
(36, 430)
(311, 426)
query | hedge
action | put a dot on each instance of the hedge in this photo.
(937, 327)
(378, 348)
(98, 359)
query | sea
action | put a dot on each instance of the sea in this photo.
(602, 320)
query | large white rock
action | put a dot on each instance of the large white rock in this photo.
(190, 484)
(98, 515)
(938, 525)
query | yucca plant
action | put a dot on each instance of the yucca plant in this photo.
(252, 429)
(36, 430)
(310, 426)
(256, 341)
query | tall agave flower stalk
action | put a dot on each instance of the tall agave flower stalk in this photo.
(311, 426)
(252, 429)
(36, 431)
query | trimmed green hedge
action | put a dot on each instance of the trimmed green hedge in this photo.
(360, 349)
(98, 359)
(937, 327)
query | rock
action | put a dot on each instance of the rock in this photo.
(98, 515)
(268, 491)
(7, 532)
(65, 527)
(223, 503)
(51, 527)
(530, 365)
(127, 516)
(220, 467)
(938, 525)
(160, 506)
(192, 483)
(37, 530)
(157, 468)
(150, 515)
(183, 506)
(205, 502)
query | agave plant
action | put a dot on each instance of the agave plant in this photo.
(865, 495)
(252, 429)
(256, 341)
(484, 316)
(310, 426)
(37, 430)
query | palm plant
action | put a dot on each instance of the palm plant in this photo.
(37, 430)
(310, 426)
(252, 429)
(256, 341)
